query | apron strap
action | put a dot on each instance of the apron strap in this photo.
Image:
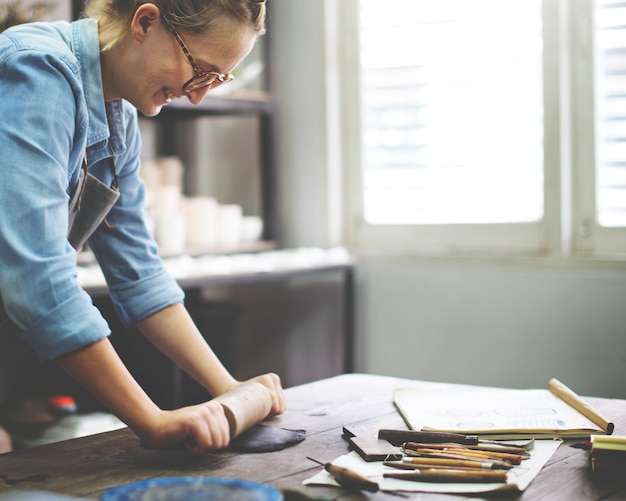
(114, 186)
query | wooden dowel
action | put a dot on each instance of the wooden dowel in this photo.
(246, 405)
(571, 398)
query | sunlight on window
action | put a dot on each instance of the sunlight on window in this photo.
(452, 111)
(611, 112)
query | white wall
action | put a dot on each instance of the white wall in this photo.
(501, 325)
(298, 62)
(484, 322)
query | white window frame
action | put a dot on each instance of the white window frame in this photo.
(567, 229)
(588, 238)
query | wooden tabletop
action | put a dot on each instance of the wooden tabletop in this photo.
(86, 467)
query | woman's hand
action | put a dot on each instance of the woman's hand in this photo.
(200, 428)
(272, 381)
(5, 441)
(204, 427)
(191, 352)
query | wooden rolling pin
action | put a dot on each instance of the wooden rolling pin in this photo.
(246, 405)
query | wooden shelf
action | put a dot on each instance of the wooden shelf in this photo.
(246, 278)
(209, 269)
(239, 249)
(86, 258)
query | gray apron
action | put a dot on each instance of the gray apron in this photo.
(89, 205)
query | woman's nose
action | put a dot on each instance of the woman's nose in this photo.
(196, 96)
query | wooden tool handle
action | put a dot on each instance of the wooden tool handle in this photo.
(398, 437)
(350, 479)
(453, 476)
(246, 405)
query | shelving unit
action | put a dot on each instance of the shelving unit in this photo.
(260, 107)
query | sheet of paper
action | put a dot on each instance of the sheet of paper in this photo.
(519, 477)
(491, 411)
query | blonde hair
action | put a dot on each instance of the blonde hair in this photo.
(197, 17)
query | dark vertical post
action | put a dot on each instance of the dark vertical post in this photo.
(348, 319)
(269, 195)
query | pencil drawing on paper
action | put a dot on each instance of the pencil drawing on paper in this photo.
(524, 411)
(491, 411)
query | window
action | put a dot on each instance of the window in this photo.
(452, 111)
(610, 79)
(475, 126)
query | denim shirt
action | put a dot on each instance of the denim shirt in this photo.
(53, 112)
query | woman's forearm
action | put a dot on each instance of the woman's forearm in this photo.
(99, 369)
(173, 332)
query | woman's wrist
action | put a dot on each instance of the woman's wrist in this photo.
(149, 428)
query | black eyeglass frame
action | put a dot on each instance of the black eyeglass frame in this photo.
(201, 79)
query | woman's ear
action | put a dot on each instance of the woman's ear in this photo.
(145, 17)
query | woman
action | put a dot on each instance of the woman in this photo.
(70, 92)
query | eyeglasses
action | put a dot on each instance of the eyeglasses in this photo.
(201, 79)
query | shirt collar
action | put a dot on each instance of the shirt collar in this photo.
(106, 120)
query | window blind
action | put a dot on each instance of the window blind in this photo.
(610, 85)
(452, 100)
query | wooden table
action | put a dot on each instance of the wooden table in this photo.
(88, 466)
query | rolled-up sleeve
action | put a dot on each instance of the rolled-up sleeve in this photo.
(68, 327)
(137, 300)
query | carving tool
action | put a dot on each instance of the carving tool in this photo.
(467, 463)
(347, 478)
(487, 448)
(451, 475)
(399, 465)
(466, 451)
(398, 437)
(493, 463)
